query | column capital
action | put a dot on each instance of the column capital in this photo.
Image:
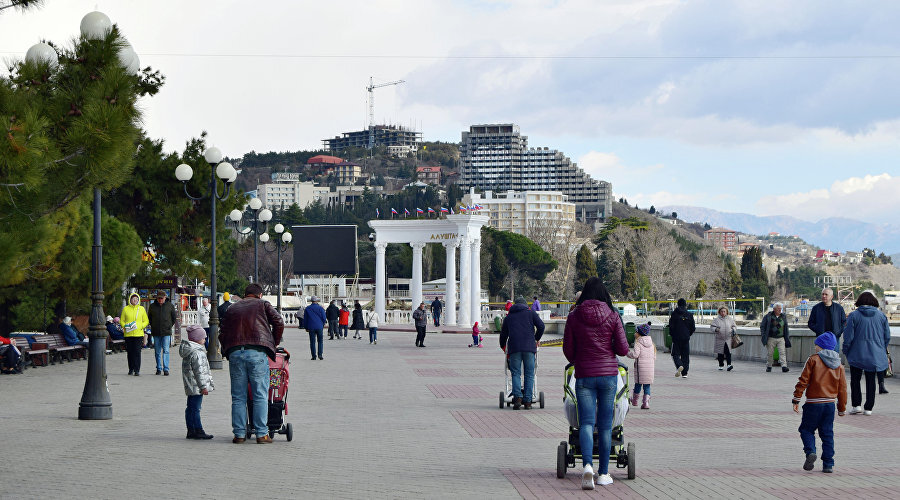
(380, 246)
(464, 242)
(451, 244)
(417, 246)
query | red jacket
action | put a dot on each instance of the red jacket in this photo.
(344, 317)
(594, 336)
(253, 322)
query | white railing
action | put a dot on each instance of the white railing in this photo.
(189, 318)
(404, 317)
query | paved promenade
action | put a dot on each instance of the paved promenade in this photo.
(395, 421)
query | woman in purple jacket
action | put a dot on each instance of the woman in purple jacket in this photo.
(594, 336)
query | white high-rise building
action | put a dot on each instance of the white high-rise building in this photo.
(520, 211)
(496, 157)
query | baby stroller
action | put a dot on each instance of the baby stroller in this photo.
(279, 376)
(507, 396)
(568, 452)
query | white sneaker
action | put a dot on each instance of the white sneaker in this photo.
(867, 412)
(678, 371)
(856, 410)
(587, 478)
(604, 480)
(721, 368)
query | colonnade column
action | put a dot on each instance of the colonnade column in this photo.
(450, 290)
(465, 283)
(476, 281)
(380, 280)
(415, 288)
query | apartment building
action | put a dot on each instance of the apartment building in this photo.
(520, 211)
(347, 172)
(399, 141)
(429, 175)
(496, 157)
(721, 237)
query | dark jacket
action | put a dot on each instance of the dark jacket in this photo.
(332, 312)
(816, 321)
(358, 321)
(222, 309)
(522, 327)
(419, 317)
(764, 329)
(70, 334)
(594, 336)
(252, 322)
(681, 324)
(868, 335)
(114, 331)
(162, 318)
(314, 317)
(436, 307)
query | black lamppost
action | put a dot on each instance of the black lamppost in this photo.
(95, 402)
(227, 174)
(258, 214)
(281, 244)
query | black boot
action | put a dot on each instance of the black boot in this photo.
(882, 389)
(517, 402)
(201, 434)
(191, 434)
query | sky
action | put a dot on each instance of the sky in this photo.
(764, 107)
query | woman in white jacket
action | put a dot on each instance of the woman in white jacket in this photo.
(723, 326)
(372, 325)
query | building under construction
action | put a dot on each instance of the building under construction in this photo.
(398, 140)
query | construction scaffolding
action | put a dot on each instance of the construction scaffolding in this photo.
(842, 286)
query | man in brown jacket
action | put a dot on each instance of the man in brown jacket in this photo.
(250, 331)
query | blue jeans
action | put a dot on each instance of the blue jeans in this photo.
(249, 367)
(192, 412)
(161, 349)
(342, 330)
(516, 361)
(315, 335)
(596, 403)
(637, 388)
(373, 334)
(818, 416)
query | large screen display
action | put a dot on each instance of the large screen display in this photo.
(325, 249)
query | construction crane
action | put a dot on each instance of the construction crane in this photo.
(371, 87)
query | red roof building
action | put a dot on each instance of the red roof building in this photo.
(429, 175)
(322, 160)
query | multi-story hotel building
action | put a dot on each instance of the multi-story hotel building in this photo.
(496, 157)
(519, 211)
(725, 239)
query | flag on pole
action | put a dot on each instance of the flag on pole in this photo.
(451, 211)
(405, 212)
(462, 208)
(377, 213)
(393, 212)
(430, 210)
(444, 210)
(419, 211)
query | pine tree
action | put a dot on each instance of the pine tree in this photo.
(584, 267)
(700, 291)
(630, 281)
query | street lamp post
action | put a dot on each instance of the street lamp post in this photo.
(259, 214)
(227, 173)
(281, 244)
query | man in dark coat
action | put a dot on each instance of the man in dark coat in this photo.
(826, 316)
(162, 318)
(250, 332)
(522, 329)
(314, 318)
(681, 327)
(419, 319)
(331, 314)
(775, 334)
(436, 308)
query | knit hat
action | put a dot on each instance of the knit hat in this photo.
(826, 341)
(196, 333)
(644, 329)
(520, 300)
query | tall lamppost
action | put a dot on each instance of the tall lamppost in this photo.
(95, 401)
(281, 245)
(258, 214)
(224, 171)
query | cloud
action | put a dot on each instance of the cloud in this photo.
(872, 198)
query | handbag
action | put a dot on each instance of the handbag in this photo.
(890, 369)
(736, 341)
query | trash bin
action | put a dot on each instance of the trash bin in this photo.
(668, 338)
(498, 323)
(629, 331)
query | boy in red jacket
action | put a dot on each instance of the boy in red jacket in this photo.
(824, 382)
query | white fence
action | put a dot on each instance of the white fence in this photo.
(391, 317)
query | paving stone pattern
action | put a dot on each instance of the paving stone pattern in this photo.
(395, 421)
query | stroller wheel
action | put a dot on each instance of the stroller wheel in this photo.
(561, 459)
(541, 399)
(501, 400)
(632, 462)
(290, 432)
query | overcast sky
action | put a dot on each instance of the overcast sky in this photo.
(765, 107)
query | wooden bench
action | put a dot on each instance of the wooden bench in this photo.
(60, 350)
(114, 345)
(35, 354)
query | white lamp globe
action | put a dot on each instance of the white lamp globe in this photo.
(129, 59)
(212, 155)
(42, 53)
(264, 237)
(286, 237)
(184, 172)
(235, 215)
(225, 171)
(255, 204)
(232, 178)
(265, 215)
(95, 25)
(279, 228)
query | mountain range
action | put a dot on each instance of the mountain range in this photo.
(837, 234)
